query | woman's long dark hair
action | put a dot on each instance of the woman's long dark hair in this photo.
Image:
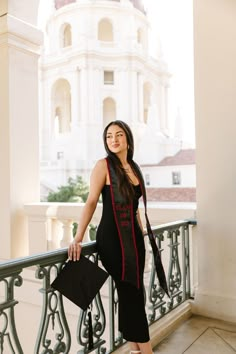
(125, 185)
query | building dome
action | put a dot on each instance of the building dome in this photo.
(138, 4)
(61, 3)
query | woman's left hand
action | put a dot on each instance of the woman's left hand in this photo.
(74, 250)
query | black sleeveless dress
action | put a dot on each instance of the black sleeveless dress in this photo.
(132, 316)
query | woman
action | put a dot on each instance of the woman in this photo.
(120, 241)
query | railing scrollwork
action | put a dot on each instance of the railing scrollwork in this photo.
(53, 316)
(156, 294)
(8, 332)
(54, 334)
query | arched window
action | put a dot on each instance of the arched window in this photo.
(140, 36)
(105, 31)
(141, 39)
(66, 37)
(109, 110)
(61, 103)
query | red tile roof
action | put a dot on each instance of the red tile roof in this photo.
(171, 194)
(183, 157)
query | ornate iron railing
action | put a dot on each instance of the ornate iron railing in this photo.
(54, 333)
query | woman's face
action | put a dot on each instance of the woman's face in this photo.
(116, 139)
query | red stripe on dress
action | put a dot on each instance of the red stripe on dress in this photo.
(117, 224)
(135, 246)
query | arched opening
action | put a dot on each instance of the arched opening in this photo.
(61, 3)
(140, 36)
(105, 31)
(66, 36)
(61, 103)
(109, 110)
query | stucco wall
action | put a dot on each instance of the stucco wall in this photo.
(215, 104)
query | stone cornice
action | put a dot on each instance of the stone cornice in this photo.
(20, 34)
(121, 62)
(112, 6)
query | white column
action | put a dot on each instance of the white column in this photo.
(83, 112)
(47, 120)
(84, 94)
(96, 113)
(96, 103)
(134, 97)
(140, 97)
(75, 98)
(166, 87)
(215, 109)
(19, 131)
(159, 104)
(164, 106)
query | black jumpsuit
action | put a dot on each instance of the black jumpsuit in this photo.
(132, 316)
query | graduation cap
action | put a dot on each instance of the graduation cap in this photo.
(80, 281)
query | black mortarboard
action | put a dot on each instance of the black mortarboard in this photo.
(80, 281)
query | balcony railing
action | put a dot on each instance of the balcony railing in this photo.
(62, 328)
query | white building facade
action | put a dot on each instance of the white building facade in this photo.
(97, 67)
(173, 171)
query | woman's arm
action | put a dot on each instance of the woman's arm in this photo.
(140, 222)
(97, 181)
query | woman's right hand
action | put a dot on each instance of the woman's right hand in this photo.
(74, 250)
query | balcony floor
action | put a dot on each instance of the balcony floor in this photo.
(200, 335)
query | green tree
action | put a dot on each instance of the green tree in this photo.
(75, 191)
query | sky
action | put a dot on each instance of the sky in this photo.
(172, 22)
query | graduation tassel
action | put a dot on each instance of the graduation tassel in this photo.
(90, 330)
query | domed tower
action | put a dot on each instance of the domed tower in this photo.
(61, 3)
(138, 4)
(97, 67)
